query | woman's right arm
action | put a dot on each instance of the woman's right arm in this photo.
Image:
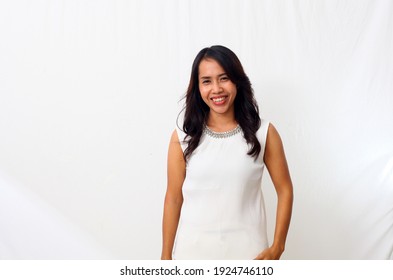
(176, 172)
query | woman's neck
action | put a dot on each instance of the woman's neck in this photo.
(221, 123)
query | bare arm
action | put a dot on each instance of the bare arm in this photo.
(176, 172)
(278, 169)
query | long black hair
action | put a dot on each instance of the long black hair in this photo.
(246, 107)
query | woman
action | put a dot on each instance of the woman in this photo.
(214, 206)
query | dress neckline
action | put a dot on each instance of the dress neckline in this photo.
(224, 134)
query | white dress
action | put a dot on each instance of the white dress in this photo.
(223, 212)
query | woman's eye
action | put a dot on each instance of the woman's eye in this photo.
(224, 78)
(205, 82)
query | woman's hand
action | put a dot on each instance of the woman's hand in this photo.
(271, 253)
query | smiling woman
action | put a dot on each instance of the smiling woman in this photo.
(217, 90)
(214, 206)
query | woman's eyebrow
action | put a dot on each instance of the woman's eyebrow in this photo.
(208, 77)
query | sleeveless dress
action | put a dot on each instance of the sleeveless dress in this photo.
(223, 211)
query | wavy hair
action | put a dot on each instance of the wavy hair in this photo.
(246, 107)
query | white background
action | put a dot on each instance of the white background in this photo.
(89, 95)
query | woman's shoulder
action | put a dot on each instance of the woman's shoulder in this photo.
(178, 136)
(263, 130)
(265, 123)
(269, 130)
(273, 138)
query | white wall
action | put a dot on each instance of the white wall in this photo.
(89, 95)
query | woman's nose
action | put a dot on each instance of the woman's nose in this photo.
(216, 87)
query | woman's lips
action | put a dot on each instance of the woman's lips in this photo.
(219, 100)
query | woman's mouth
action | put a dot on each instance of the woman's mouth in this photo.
(219, 100)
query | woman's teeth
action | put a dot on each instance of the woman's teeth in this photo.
(218, 99)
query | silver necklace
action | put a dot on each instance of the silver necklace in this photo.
(224, 134)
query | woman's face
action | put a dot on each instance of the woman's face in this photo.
(216, 89)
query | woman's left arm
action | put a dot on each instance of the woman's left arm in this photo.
(277, 166)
